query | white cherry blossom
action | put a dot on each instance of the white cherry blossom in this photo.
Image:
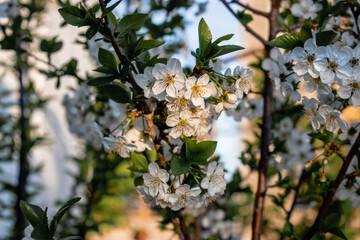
(315, 117)
(197, 90)
(214, 181)
(119, 144)
(306, 9)
(350, 88)
(184, 197)
(156, 180)
(146, 81)
(182, 124)
(333, 120)
(180, 103)
(169, 78)
(148, 199)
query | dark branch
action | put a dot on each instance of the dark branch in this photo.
(247, 7)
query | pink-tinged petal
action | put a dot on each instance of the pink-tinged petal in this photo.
(159, 87)
(153, 169)
(219, 107)
(163, 175)
(205, 183)
(206, 91)
(188, 93)
(172, 120)
(203, 80)
(173, 65)
(153, 190)
(171, 91)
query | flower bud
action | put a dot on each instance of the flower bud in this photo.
(231, 98)
(308, 164)
(322, 177)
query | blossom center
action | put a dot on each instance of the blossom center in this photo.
(354, 86)
(169, 79)
(310, 58)
(332, 66)
(354, 62)
(182, 122)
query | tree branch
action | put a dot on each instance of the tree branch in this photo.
(249, 29)
(265, 135)
(183, 227)
(115, 44)
(255, 11)
(331, 192)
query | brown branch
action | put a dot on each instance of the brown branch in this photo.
(247, 7)
(249, 29)
(156, 140)
(331, 192)
(115, 45)
(183, 227)
(259, 203)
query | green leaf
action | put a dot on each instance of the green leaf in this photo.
(204, 37)
(92, 30)
(148, 44)
(244, 18)
(116, 93)
(106, 58)
(138, 181)
(34, 214)
(100, 81)
(337, 232)
(60, 213)
(105, 69)
(41, 232)
(287, 41)
(305, 31)
(222, 50)
(110, 9)
(223, 38)
(73, 15)
(288, 229)
(325, 38)
(332, 220)
(139, 163)
(50, 46)
(133, 21)
(179, 166)
(198, 153)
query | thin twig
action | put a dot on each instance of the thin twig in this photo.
(246, 6)
(183, 227)
(331, 192)
(249, 29)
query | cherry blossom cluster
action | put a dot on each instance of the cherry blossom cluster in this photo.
(158, 192)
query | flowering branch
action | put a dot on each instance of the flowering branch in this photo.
(331, 192)
(249, 29)
(246, 6)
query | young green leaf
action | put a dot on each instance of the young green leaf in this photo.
(139, 163)
(199, 152)
(60, 213)
(73, 15)
(33, 213)
(110, 9)
(106, 58)
(116, 93)
(50, 46)
(222, 50)
(223, 38)
(287, 41)
(147, 44)
(204, 37)
(244, 18)
(41, 232)
(133, 21)
(337, 232)
(100, 81)
(325, 38)
(179, 166)
(305, 31)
